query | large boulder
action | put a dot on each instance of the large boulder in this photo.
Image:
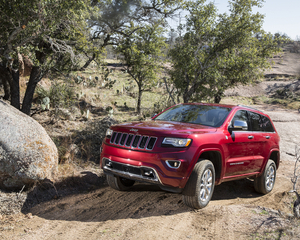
(27, 153)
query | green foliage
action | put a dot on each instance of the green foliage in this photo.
(45, 103)
(110, 83)
(59, 95)
(43, 98)
(51, 33)
(105, 73)
(220, 51)
(141, 52)
(78, 79)
(25, 24)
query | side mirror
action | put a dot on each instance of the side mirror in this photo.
(239, 126)
(153, 116)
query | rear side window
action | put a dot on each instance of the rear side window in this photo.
(266, 124)
(255, 121)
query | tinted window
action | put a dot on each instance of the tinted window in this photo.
(266, 124)
(213, 116)
(255, 121)
(240, 116)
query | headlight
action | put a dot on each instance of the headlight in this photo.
(177, 142)
(108, 133)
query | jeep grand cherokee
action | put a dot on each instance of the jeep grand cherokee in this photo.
(190, 148)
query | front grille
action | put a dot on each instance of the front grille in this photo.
(133, 141)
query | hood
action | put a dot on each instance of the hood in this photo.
(162, 128)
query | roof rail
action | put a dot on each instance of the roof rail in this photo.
(240, 105)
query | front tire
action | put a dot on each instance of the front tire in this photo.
(265, 183)
(119, 183)
(200, 186)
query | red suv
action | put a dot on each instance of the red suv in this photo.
(191, 147)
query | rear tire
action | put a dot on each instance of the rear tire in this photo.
(119, 183)
(200, 186)
(265, 183)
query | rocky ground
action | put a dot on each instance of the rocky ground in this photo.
(82, 206)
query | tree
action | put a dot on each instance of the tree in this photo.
(141, 52)
(114, 18)
(48, 31)
(220, 51)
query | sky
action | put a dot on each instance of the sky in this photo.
(281, 16)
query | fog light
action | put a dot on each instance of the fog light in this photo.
(148, 173)
(108, 164)
(173, 163)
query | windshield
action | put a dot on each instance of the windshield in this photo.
(207, 115)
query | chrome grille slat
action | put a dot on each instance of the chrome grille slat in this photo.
(136, 141)
(123, 139)
(151, 143)
(133, 141)
(112, 138)
(118, 138)
(143, 142)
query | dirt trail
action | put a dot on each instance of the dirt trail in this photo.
(146, 212)
(236, 211)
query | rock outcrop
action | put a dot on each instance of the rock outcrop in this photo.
(27, 153)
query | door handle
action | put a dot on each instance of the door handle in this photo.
(250, 137)
(268, 137)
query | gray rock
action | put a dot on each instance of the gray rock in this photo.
(27, 153)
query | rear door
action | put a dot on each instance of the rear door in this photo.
(240, 149)
(269, 135)
(258, 140)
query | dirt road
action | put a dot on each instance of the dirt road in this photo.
(235, 212)
(146, 212)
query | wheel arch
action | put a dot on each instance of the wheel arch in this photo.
(216, 158)
(275, 156)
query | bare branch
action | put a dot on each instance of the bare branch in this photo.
(168, 90)
(121, 32)
(296, 174)
(60, 46)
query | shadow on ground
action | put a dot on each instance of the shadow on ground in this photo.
(90, 199)
(47, 190)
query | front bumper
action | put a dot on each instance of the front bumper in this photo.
(145, 174)
(146, 166)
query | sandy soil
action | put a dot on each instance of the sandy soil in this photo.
(146, 212)
(95, 211)
(84, 207)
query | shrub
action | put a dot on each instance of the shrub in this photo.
(60, 95)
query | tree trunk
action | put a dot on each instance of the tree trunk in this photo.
(35, 77)
(15, 89)
(88, 62)
(218, 98)
(6, 79)
(138, 108)
(169, 91)
(6, 88)
(186, 97)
